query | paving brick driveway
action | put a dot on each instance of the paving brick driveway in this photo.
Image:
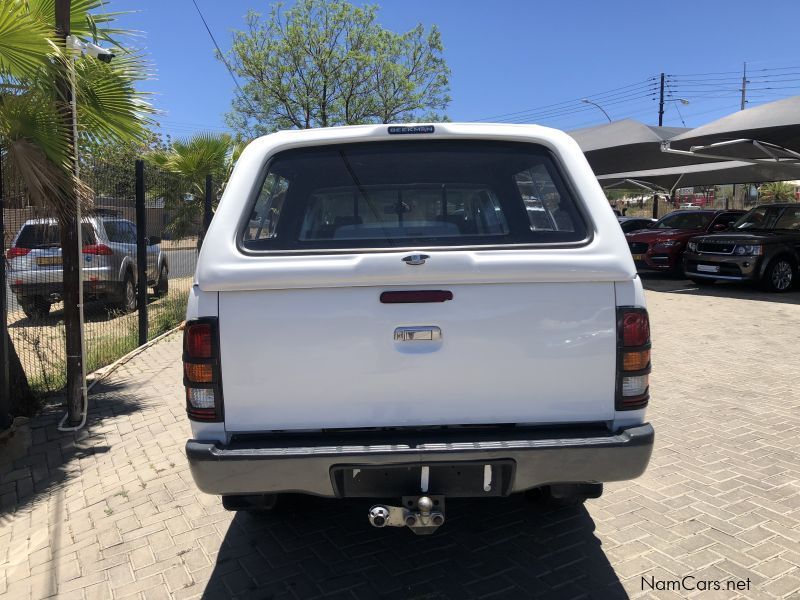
(112, 512)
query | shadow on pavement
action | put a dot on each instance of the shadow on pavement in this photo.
(39, 458)
(504, 548)
(663, 282)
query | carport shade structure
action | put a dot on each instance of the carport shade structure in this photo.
(766, 133)
(715, 173)
(629, 145)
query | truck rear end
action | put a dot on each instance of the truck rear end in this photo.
(415, 313)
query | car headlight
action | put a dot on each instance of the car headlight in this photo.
(748, 250)
(666, 245)
(692, 246)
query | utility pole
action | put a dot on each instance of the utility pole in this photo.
(661, 103)
(744, 86)
(70, 233)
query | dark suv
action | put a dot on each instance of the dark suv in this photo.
(763, 246)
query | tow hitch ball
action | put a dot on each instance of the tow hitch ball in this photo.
(422, 514)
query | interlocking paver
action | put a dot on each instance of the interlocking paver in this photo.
(111, 512)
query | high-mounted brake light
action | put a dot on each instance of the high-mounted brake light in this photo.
(97, 250)
(201, 373)
(633, 358)
(17, 252)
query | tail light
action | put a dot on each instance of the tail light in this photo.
(98, 249)
(201, 372)
(633, 358)
(16, 252)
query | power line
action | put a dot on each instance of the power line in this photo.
(732, 72)
(566, 110)
(598, 96)
(222, 57)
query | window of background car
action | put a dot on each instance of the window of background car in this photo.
(761, 217)
(412, 193)
(685, 220)
(790, 219)
(48, 235)
(120, 232)
(727, 219)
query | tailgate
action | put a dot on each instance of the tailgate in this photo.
(536, 352)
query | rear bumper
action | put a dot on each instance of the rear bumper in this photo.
(306, 465)
(659, 261)
(56, 289)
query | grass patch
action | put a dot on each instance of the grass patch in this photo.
(41, 349)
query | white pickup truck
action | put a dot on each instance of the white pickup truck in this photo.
(415, 313)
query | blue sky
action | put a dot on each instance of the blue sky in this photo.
(512, 59)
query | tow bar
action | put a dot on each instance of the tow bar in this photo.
(422, 514)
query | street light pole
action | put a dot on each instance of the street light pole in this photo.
(587, 101)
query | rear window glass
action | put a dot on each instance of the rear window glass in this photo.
(48, 235)
(403, 194)
(685, 220)
(120, 231)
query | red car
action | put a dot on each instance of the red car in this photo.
(661, 247)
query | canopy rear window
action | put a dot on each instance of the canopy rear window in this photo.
(412, 193)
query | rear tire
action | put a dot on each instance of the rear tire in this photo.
(570, 495)
(127, 300)
(253, 503)
(35, 307)
(780, 275)
(161, 288)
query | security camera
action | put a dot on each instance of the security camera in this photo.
(93, 50)
(101, 54)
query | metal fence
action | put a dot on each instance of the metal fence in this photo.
(132, 207)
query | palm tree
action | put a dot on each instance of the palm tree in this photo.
(34, 133)
(777, 191)
(190, 161)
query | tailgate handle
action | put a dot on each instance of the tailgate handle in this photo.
(418, 334)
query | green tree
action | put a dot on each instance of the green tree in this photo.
(324, 63)
(777, 191)
(34, 131)
(189, 161)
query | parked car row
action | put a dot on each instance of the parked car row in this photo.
(759, 246)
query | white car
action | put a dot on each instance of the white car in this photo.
(377, 314)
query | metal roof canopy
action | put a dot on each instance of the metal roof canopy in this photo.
(768, 134)
(714, 173)
(630, 146)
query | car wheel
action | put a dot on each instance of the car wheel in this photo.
(36, 307)
(253, 503)
(779, 275)
(162, 285)
(127, 301)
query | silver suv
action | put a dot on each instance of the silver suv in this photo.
(109, 264)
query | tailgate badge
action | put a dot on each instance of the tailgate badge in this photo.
(415, 259)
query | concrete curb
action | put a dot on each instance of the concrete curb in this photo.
(104, 372)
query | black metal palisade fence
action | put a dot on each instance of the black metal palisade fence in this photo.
(141, 236)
